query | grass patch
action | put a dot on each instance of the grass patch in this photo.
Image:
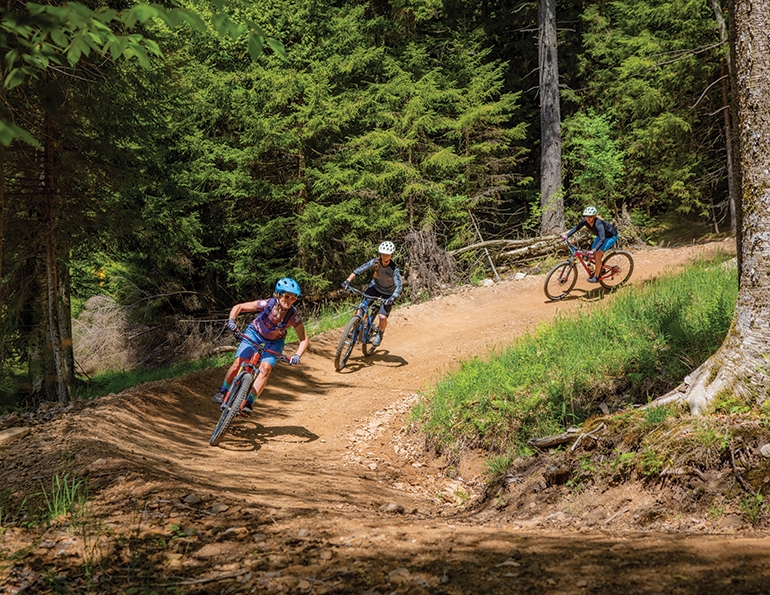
(639, 345)
(67, 497)
(117, 381)
(325, 317)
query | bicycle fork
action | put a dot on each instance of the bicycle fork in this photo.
(235, 385)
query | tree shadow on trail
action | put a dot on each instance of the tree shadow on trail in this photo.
(250, 436)
(379, 358)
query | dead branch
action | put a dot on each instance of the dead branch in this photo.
(576, 434)
(738, 476)
(556, 439)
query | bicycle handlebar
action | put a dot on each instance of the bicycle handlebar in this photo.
(280, 356)
(574, 249)
(375, 300)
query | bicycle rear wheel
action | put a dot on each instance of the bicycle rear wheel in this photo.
(347, 342)
(560, 280)
(232, 408)
(616, 269)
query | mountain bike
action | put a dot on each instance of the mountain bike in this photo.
(236, 397)
(361, 327)
(616, 270)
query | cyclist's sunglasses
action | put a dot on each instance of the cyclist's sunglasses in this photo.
(287, 294)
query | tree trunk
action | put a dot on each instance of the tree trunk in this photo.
(3, 299)
(732, 186)
(740, 367)
(51, 200)
(2, 220)
(551, 196)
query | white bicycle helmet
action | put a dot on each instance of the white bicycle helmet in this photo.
(387, 248)
(589, 212)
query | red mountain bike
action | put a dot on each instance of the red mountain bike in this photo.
(236, 397)
(616, 270)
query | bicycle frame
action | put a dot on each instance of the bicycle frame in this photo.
(582, 256)
(251, 366)
(364, 329)
(367, 310)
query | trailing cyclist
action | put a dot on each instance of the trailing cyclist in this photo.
(268, 329)
(606, 236)
(386, 283)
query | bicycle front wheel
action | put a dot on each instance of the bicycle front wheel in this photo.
(232, 407)
(616, 269)
(560, 280)
(347, 342)
(369, 333)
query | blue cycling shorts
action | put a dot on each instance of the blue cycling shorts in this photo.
(246, 349)
(608, 243)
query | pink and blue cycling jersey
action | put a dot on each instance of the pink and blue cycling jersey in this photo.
(270, 324)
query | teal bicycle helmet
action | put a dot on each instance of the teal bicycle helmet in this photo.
(287, 285)
(589, 212)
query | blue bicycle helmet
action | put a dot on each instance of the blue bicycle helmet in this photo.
(287, 285)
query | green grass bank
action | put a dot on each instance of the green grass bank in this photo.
(638, 344)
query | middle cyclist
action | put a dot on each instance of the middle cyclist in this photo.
(386, 283)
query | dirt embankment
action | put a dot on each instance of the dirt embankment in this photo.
(324, 491)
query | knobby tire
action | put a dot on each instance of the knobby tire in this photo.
(368, 334)
(623, 262)
(232, 408)
(366, 340)
(560, 280)
(347, 342)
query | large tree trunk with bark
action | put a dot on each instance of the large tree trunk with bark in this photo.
(551, 193)
(740, 367)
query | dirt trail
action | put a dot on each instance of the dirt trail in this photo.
(322, 491)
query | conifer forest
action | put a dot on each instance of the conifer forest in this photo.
(181, 158)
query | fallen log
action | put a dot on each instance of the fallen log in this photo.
(503, 244)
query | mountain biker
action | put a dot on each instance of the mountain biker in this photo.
(606, 236)
(386, 283)
(269, 329)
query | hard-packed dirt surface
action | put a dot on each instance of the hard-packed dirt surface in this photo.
(325, 490)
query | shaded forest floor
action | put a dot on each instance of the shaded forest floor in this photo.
(325, 490)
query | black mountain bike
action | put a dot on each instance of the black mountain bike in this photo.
(361, 327)
(236, 397)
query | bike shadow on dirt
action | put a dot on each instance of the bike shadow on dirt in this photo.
(383, 357)
(251, 436)
(579, 293)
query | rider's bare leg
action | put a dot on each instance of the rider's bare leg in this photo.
(598, 258)
(233, 370)
(261, 381)
(383, 323)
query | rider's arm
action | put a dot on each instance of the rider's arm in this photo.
(255, 306)
(304, 341)
(364, 267)
(576, 228)
(398, 282)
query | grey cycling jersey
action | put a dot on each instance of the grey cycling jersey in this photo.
(387, 280)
